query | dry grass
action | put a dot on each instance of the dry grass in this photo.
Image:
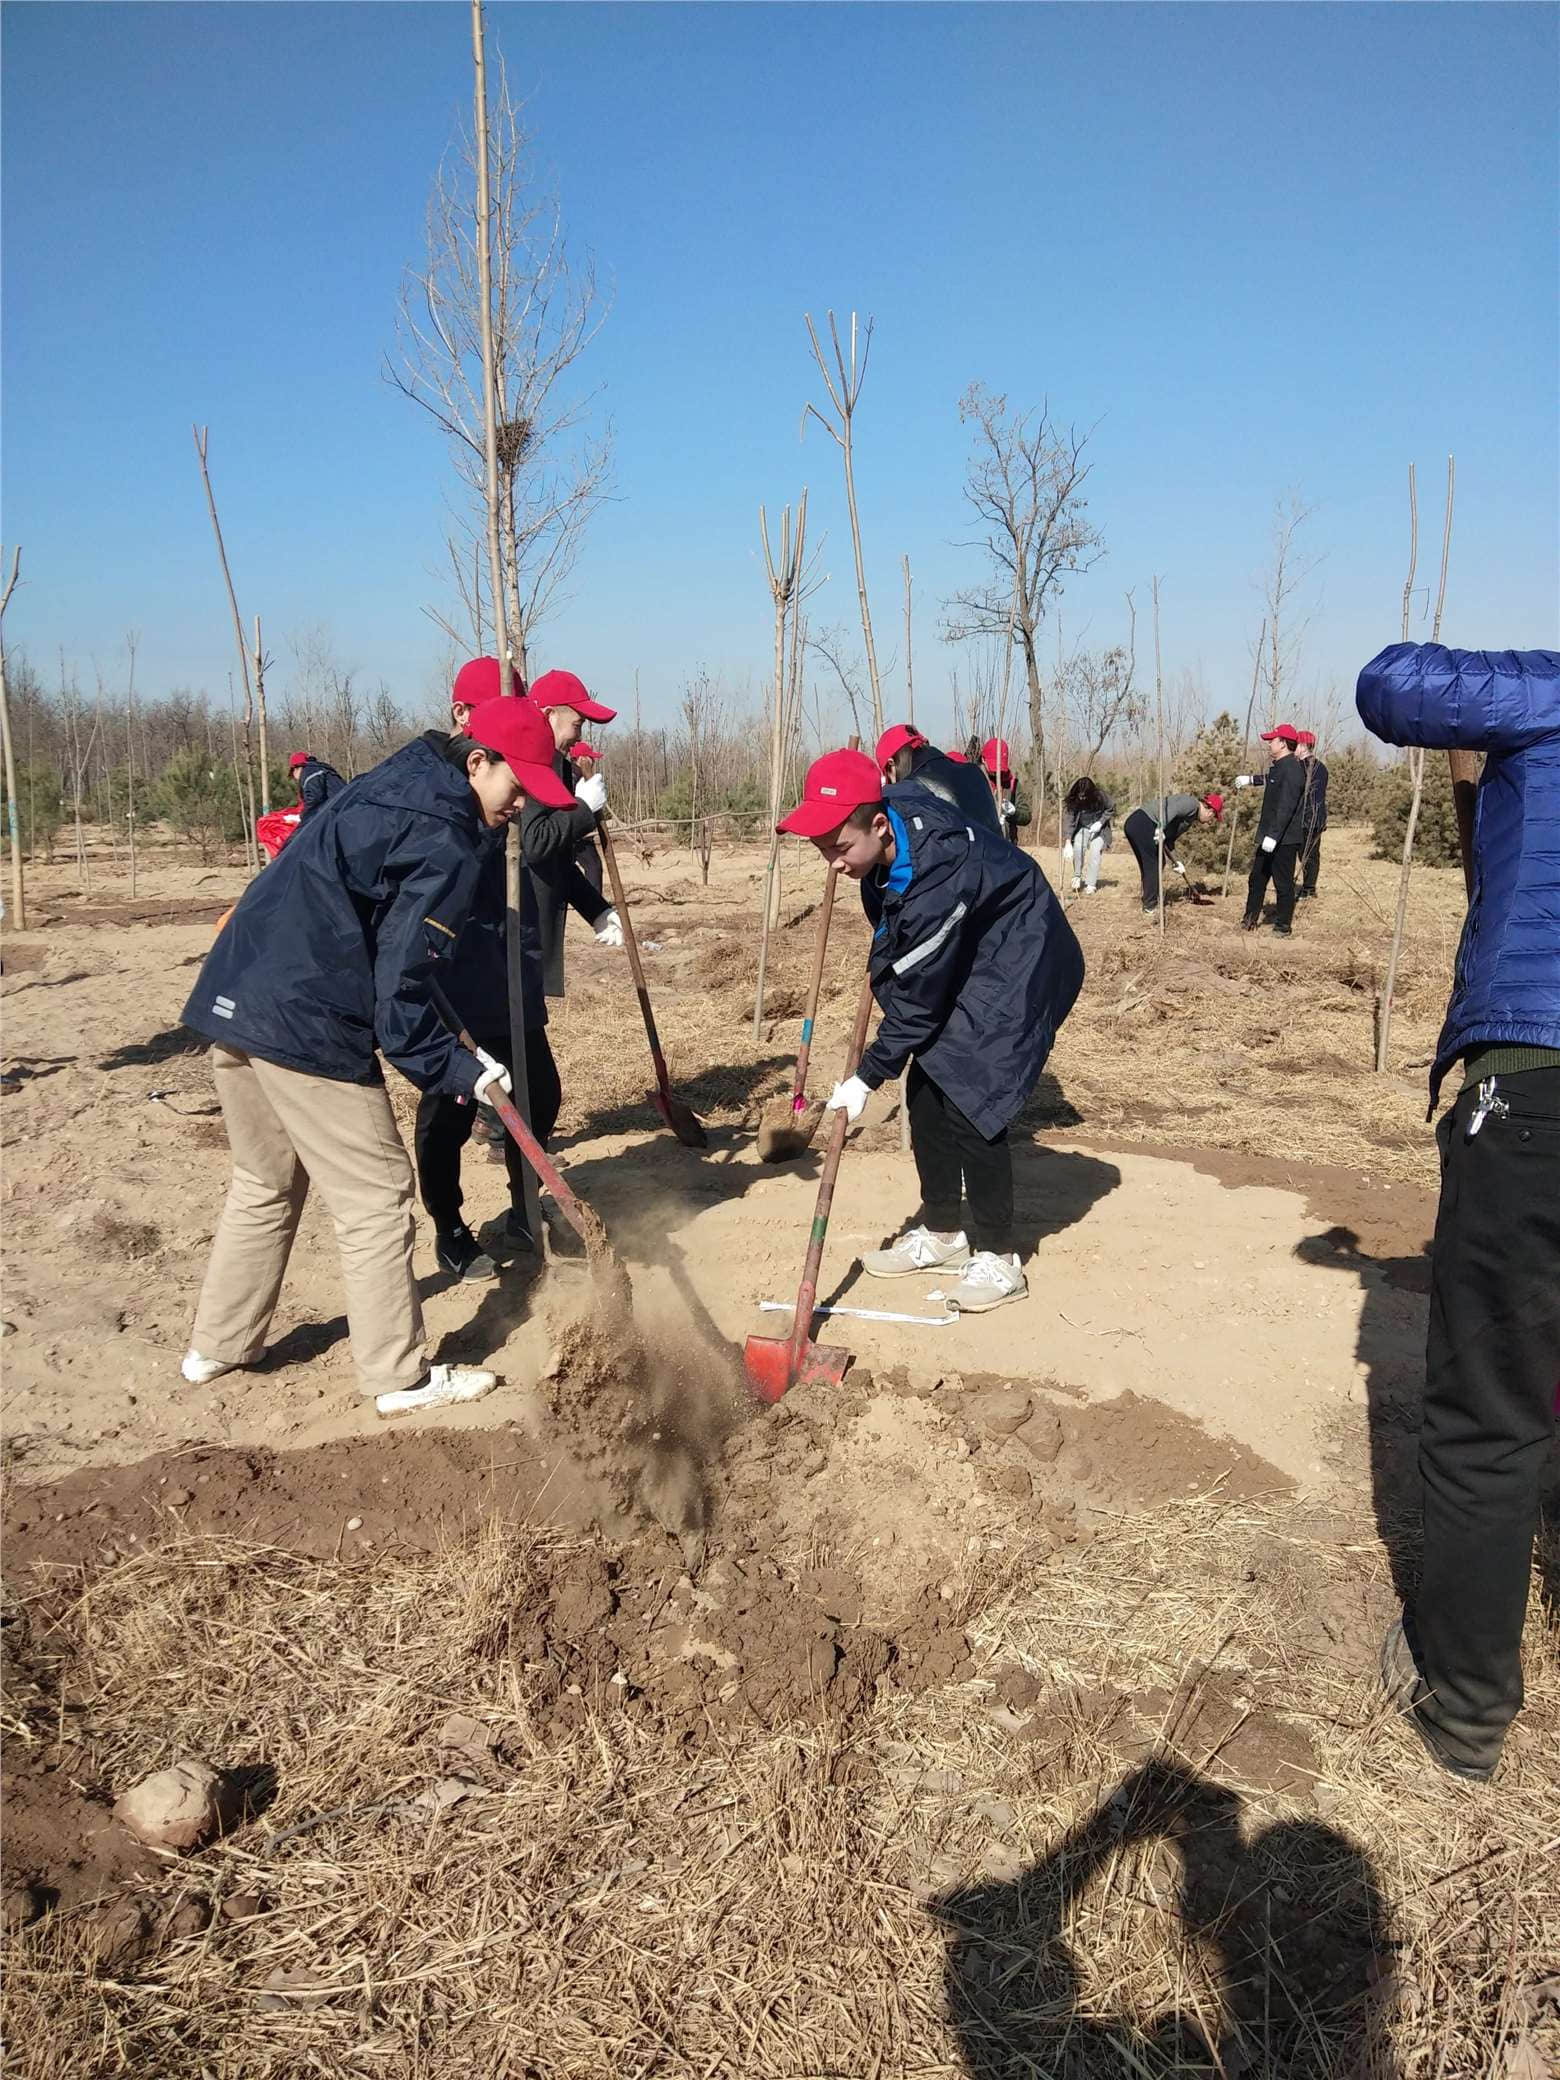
(943, 1885)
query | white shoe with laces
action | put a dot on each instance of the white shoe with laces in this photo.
(444, 1385)
(918, 1249)
(989, 1281)
(199, 1371)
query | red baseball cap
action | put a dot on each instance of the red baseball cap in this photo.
(481, 680)
(836, 783)
(958, 757)
(522, 736)
(297, 759)
(1215, 802)
(563, 690)
(1307, 736)
(901, 737)
(583, 750)
(995, 756)
(1286, 733)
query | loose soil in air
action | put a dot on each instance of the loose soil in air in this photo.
(1009, 1706)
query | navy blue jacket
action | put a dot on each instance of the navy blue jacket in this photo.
(552, 840)
(476, 980)
(1313, 802)
(965, 786)
(973, 962)
(326, 956)
(318, 783)
(1505, 703)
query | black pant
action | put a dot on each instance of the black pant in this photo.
(1310, 863)
(1490, 1374)
(952, 1157)
(1280, 864)
(1138, 830)
(444, 1127)
(588, 860)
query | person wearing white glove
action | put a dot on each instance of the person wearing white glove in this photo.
(1279, 831)
(609, 931)
(1086, 822)
(561, 856)
(849, 1097)
(494, 1082)
(593, 793)
(1154, 831)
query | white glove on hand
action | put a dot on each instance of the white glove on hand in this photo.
(593, 793)
(1095, 828)
(609, 931)
(849, 1097)
(1243, 779)
(1179, 868)
(493, 1083)
(1159, 836)
(1270, 844)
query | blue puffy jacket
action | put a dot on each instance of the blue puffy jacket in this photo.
(973, 962)
(1505, 703)
(327, 955)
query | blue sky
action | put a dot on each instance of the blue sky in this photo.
(1258, 246)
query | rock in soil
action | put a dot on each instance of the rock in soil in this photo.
(117, 1934)
(179, 1808)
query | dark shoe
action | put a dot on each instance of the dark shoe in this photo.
(459, 1252)
(1249, 924)
(1284, 931)
(1405, 1688)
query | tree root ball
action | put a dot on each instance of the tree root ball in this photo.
(180, 1808)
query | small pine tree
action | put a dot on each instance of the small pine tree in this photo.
(40, 807)
(1353, 784)
(200, 800)
(1436, 842)
(1209, 764)
(747, 805)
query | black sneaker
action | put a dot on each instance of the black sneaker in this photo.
(1283, 931)
(459, 1252)
(1405, 1688)
(1249, 924)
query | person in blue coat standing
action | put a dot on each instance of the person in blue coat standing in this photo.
(1453, 1662)
(974, 967)
(323, 966)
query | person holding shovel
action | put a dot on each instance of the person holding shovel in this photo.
(1159, 828)
(904, 754)
(1280, 828)
(974, 967)
(1012, 806)
(1453, 1663)
(552, 840)
(325, 964)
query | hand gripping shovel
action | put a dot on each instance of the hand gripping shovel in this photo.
(682, 1120)
(775, 1363)
(606, 1272)
(790, 1124)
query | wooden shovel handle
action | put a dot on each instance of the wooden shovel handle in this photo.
(807, 1293)
(636, 966)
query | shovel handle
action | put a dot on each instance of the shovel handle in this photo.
(807, 1293)
(815, 990)
(516, 1127)
(635, 965)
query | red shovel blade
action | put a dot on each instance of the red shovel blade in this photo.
(682, 1119)
(767, 1362)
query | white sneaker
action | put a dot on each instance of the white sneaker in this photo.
(1091, 890)
(988, 1281)
(444, 1384)
(199, 1371)
(1076, 886)
(918, 1249)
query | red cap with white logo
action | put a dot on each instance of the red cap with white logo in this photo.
(836, 784)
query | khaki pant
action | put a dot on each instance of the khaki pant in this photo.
(288, 1131)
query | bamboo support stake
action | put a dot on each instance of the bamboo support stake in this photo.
(131, 643)
(265, 742)
(18, 881)
(251, 841)
(1245, 755)
(909, 671)
(1159, 742)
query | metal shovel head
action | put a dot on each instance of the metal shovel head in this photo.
(682, 1120)
(785, 1132)
(767, 1362)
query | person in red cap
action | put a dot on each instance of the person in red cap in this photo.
(1313, 811)
(904, 754)
(1154, 831)
(1279, 830)
(316, 782)
(324, 965)
(586, 761)
(974, 967)
(996, 758)
(553, 843)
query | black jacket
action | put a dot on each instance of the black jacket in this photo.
(317, 784)
(327, 954)
(965, 786)
(1283, 790)
(551, 840)
(1313, 804)
(973, 962)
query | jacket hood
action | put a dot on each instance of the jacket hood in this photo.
(419, 776)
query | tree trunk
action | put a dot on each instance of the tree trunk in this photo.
(18, 879)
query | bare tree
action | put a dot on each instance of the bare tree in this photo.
(546, 310)
(1025, 483)
(247, 786)
(1286, 577)
(1099, 689)
(844, 388)
(833, 646)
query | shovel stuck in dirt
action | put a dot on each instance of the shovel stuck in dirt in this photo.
(776, 1363)
(682, 1119)
(789, 1124)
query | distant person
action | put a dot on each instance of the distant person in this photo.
(552, 842)
(324, 965)
(1086, 831)
(1279, 829)
(904, 754)
(1161, 826)
(1313, 811)
(586, 761)
(1453, 1664)
(996, 759)
(316, 782)
(974, 967)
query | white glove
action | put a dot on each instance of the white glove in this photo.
(1159, 836)
(494, 1082)
(849, 1097)
(609, 931)
(1270, 844)
(593, 793)
(1095, 828)
(1243, 779)
(1179, 868)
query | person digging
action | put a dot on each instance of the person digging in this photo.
(1313, 811)
(1014, 811)
(323, 966)
(1280, 828)
(974, 966)
(1159, 829)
